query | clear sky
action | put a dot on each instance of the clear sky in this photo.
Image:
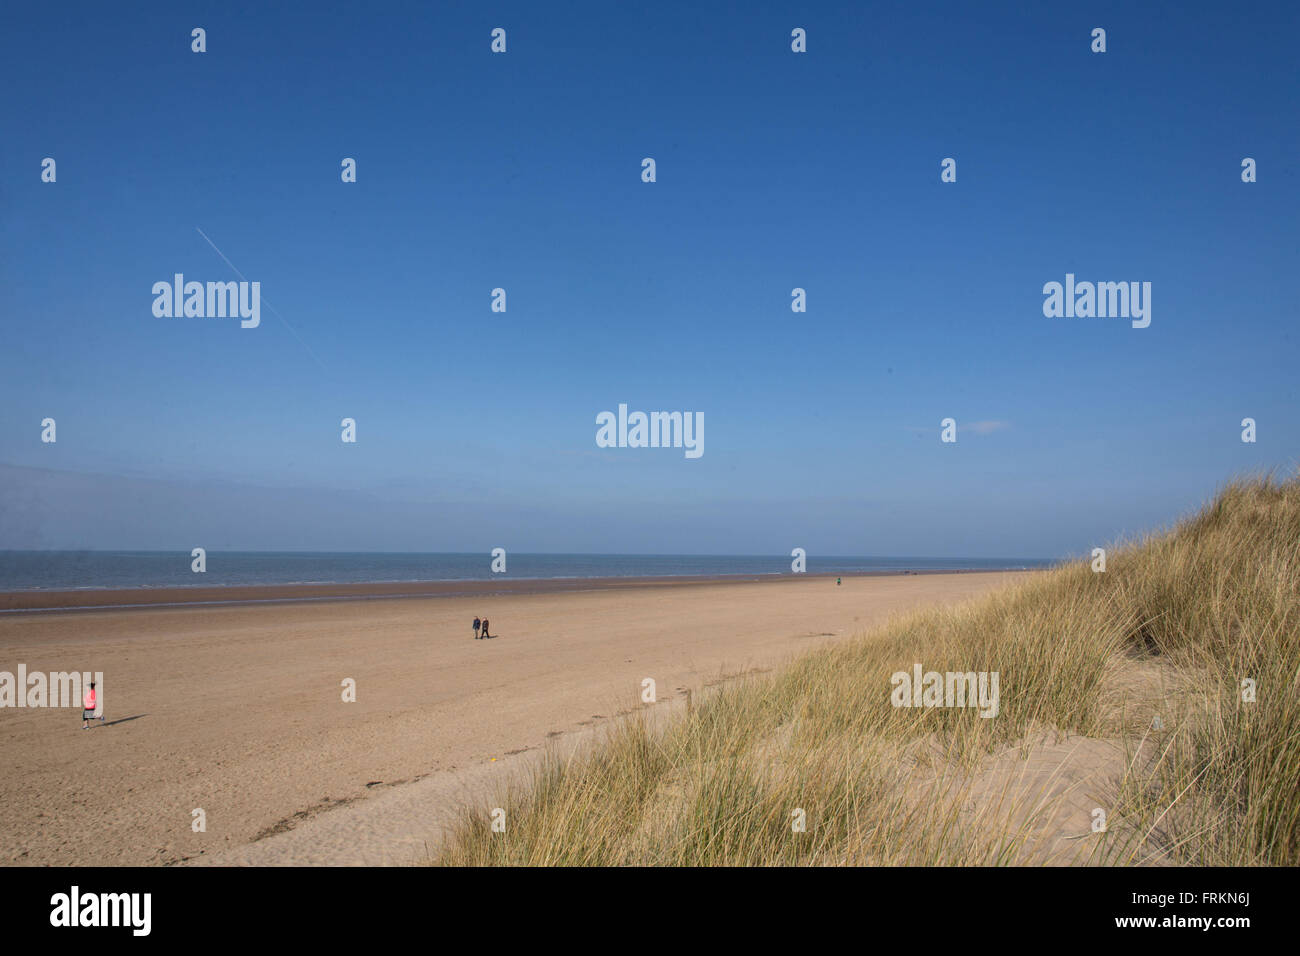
(523, 170)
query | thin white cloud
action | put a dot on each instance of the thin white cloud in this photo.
(984, 428)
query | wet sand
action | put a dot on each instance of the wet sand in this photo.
(96, 598)
(237, 710)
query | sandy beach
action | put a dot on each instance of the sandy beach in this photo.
(237, 709)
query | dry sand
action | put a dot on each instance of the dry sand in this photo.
(237, 709)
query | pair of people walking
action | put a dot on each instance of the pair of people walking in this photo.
(484, 625)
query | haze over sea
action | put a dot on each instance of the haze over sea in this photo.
(70, 570)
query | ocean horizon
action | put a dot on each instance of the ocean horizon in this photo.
(120, 570)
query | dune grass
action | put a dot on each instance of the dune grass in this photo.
(1147, 658)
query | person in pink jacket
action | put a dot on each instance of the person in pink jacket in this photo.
(88, 703)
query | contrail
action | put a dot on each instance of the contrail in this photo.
(268, 304)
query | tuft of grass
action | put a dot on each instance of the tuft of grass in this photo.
(1123, 692)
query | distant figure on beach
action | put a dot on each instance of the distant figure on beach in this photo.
(485, 631)
(476, 625)
(88, 702)
(837, 582)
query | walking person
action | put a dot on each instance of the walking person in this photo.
(485, 630)
(88, 704)
(476, 626)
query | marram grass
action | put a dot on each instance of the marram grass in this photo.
(1153, 659)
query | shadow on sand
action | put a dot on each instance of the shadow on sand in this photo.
(120, 720)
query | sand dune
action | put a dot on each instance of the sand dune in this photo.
(237, 710)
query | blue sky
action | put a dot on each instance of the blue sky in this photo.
(522, 170)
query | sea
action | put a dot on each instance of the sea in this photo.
(72, 570)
